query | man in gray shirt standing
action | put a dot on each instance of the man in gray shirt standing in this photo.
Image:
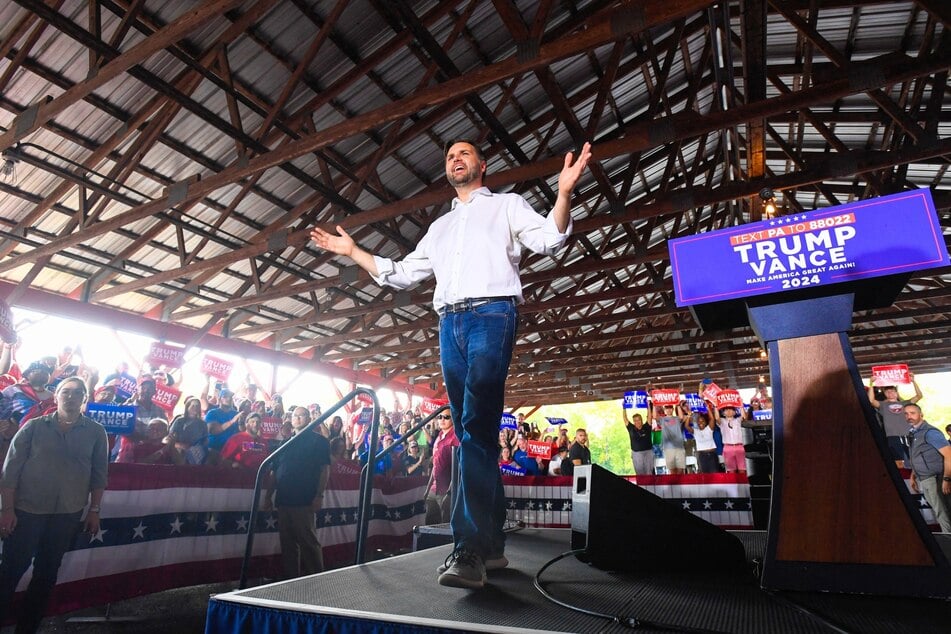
(56, 464)
(672, 426)
(892, 413)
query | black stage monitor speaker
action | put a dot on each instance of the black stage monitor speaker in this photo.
(622, 527)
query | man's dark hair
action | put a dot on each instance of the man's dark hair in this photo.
(452, 142)
(915, 405)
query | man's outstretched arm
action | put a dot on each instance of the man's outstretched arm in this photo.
(344, 245)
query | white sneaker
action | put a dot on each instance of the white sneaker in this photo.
(464, 569)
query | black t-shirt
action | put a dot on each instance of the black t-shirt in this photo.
(298, 469)
(567, 467)
(575, 452)
(640, 438)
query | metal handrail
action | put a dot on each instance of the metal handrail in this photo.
(366, 477)
(265, 467)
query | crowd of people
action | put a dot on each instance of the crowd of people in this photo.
(219, 426)
(524, 450)
(239, 429)
(703, 439)
(55, 457)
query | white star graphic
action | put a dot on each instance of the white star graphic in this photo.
(98, 536)
(211, 524)
(242, 524)
(271, 522)
(707, 504)
(548, 505)
(530, 506)
(511, 504)
(176, 526)
(728, 504)
(772, 224)
(396, 514)
(328, 518)
(139, 531)
(686, 505)
(566, 506)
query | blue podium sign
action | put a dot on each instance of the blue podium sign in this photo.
(827, 246)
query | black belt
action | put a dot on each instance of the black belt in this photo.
(473, 302)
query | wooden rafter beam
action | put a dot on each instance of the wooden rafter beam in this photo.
(753, 22)
(940, 9)
(643, 14)
(173, 32)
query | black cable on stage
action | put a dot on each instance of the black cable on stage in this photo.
(630, 622)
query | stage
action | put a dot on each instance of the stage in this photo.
(400, 594)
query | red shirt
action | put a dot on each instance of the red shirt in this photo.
(137, 451)
(245, 449)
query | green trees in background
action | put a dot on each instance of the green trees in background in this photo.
(610, 446)
(609, 442)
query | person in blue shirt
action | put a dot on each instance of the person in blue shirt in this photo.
(531, 466)
(222, 424)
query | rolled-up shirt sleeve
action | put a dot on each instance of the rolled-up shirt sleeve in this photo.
(404, 273)
(535, 232)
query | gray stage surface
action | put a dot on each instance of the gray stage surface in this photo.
(402, 591)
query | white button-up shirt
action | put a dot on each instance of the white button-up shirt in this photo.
(475, 249)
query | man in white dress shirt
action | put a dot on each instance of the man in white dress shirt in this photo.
(474, 252)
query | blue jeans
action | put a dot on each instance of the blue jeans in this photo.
(47, 538)
(475, 348)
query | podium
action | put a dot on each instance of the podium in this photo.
(841, 518)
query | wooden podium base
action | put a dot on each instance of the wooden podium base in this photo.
(841, 519)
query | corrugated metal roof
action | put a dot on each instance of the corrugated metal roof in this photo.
(261, 62)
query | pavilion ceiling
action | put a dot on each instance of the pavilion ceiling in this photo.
(167, 159)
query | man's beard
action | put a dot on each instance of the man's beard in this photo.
(463, 178)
